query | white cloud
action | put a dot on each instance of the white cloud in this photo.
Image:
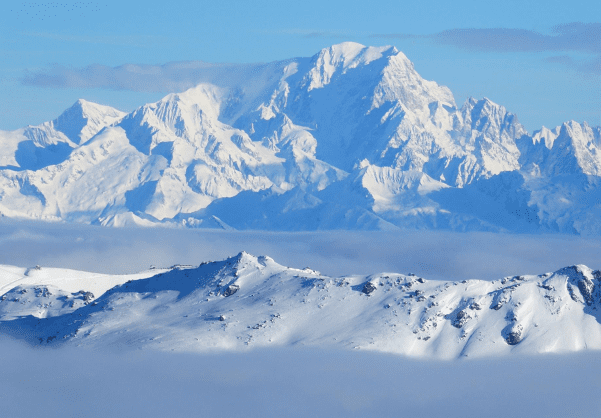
(166, 78)
(431, 254)
(575, 37)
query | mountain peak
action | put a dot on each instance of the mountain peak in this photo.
(243, 255)
(85, 108)
(346, 47)
(85, 119)
(84, 103)
(342, 57)
(351, 54)
(243, 258)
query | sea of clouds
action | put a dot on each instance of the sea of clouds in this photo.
(434, 255)
(292, 383)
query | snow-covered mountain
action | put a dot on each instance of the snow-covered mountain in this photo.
(352, 137)
(247, 301)
(36, 147)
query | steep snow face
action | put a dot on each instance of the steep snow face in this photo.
(93, 178)
(490, 132)
(50, 143)
(337, 60)
(561, 168)
(572, 148)
(369, 103)
(85, 119)
(476, 141)
(397, 190)
(247, 301)
(184, 116)
(77, 124)
(400, 83)
(208, 159)
(344, 95)
(205, 159)
(546, 136)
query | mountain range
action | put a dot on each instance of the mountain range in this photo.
(351, 138)
(247, 302)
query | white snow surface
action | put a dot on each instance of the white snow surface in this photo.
(351, 138)
(247, 302)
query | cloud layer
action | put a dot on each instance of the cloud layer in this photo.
(570, 38)
(430, 254)
(292, 383)
(166, 78)
(582, 37)
(576, 37)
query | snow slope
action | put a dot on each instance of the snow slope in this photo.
(51, 292)
(247, 301)
(350, 138)
(35, 147)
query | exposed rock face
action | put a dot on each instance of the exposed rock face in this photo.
(514, 336)
(460, 319)
(87, 296)
(369, 288)
(230, 290)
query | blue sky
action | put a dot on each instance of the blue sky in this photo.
(541, 60)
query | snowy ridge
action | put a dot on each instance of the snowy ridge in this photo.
(247, 301)
(351, 138)
(36, 147)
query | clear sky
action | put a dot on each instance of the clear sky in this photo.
(540, 59)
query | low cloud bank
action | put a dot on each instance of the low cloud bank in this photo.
(431, 254)
(165, 78)
(574, 37)
(265, 383)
